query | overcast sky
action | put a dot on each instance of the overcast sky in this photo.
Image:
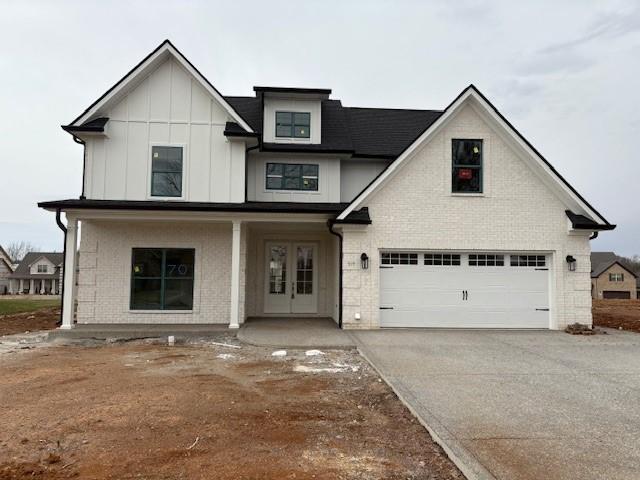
(565, 73)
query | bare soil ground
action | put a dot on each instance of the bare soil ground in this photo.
(141, 410)
(41, 318)
(619, 314)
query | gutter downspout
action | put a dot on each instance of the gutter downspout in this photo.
(593, 236)
(64, 258)
(84, 165)
(330, 224)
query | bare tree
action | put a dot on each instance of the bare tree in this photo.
(632, 263)
(17, 250)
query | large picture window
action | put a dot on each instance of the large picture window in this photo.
(166, 171)
(467, 166)
(293, 124)
(162, 278)
(292, 176)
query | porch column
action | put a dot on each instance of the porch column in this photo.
(10, 287)
(69, 299)
(53, 286)
(21, 287)
(234, 321)
(42, 290)
(32, 288)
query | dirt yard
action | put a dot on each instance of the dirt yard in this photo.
(19, 314)
(140, 410)
(617, 314)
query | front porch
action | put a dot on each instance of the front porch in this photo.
(30, 285)
(238, 266)
(303, 333)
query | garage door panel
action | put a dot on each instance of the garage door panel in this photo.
(495, 296)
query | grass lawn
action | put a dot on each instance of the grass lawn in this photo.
(18, 305)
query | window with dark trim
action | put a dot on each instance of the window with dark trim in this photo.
(486, 260)
(166, 171)
(292, 176)
(293, 124)
(399, 258)
(616, 277)
(466, 171)
(162, 278)
(43, 269)
(528, 261)
(441, 259)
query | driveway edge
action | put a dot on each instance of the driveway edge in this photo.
(470, 467)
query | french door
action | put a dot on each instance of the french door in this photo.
(291, 277)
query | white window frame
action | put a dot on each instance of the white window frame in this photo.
(616, 277)
(185, 171)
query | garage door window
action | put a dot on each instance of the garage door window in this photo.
(528, 261)
(399, 259)
(441, 259)
(486, 260)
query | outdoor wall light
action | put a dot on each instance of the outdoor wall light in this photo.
(571, 261)
(364, 261)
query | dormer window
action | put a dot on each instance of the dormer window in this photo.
(42, 269)
(293, 124)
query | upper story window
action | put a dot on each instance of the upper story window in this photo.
(466, 166)
(292, 176)
(293, 124)
(166, 171)
(42, 269)
(616, 277)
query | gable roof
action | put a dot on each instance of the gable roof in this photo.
(471, 94)
(23, 268)
(146, 66)
(602, 261)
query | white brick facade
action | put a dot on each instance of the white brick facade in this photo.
(105, 270)
(517, 212)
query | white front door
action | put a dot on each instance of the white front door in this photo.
(291, 277)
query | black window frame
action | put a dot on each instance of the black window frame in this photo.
(442, 259)
(486, 260)
(163, 277)
(292, 124)
(456, 165)
(398, 258)
(155, 172)
(45, 268)
(527, 261)
(284, 166)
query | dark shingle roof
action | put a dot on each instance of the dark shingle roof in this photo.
(364, 132)
(601, 261)
(387, 132)
(23, 267)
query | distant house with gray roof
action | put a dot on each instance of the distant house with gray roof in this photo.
(611, 279)
(37, 273)
(6, 269)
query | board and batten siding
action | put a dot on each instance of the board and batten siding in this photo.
(168, 107)
(328, 179)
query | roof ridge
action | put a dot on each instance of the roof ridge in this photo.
(395, 109)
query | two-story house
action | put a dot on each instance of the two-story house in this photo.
(610, 279)
(38, 273)
(209, 209)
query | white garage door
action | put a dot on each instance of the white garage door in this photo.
(460, 290)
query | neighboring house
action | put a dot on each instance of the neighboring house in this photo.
(6, 269)
(203, 208)
(610, 278)
(38, 273)
(638, 287)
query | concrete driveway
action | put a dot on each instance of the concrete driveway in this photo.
(520, 405)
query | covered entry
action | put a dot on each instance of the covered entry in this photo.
(464, 290)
